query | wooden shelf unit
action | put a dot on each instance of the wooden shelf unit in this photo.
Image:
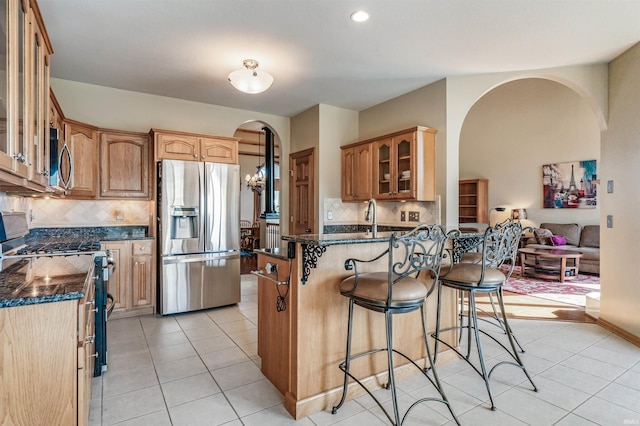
(473, 201)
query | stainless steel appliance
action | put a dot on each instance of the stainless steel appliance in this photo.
(54, 256)
(198, 208)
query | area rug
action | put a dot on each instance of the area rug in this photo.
(572, 292)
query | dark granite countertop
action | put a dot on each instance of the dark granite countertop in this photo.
(90, 233)
(44, 279)
(56, 278)
(367, 237)
(277, 252)
(335, 239)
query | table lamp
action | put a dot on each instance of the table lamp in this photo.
(518, 214)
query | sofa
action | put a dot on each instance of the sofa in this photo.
(585, 239)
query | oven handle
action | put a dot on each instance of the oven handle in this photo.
(111, 303)
(111, 268)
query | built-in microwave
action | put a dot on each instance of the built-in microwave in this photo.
(54, 159)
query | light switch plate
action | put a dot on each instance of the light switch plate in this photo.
(403, 216)
(414, 216)
(609, 221)
(610, 186)
(329, 215)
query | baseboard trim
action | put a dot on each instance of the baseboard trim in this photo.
(619, 331)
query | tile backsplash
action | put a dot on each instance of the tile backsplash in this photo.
(42, 213)
(62, 213)
(389, 212)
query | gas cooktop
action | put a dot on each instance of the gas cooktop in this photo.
(60, 247)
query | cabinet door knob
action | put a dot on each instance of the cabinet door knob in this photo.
(195, 155)
(203, 156)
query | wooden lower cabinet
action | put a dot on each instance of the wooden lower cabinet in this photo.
(133, 283)
(47, 362)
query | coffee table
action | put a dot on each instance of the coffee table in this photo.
(550, 264)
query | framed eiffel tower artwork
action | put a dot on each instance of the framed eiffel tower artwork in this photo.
(570, 185)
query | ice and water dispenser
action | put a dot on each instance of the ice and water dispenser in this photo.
(184, 222)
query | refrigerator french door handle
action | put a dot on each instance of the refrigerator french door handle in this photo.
(186, 258)
(204, 208)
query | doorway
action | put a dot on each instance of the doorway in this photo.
(301, 192)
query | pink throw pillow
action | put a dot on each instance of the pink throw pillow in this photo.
(558, 240)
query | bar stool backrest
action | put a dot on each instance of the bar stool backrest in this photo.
(420, 249)
(500, 244)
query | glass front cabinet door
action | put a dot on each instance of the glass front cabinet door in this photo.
(24, 88)
(404, 165)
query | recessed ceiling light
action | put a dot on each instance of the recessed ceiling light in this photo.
(359, 16)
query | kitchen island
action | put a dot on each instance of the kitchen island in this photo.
(302, 327)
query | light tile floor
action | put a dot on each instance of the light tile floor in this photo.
(203, 369)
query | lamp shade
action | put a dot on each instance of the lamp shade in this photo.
(250, 79)
(518, 214)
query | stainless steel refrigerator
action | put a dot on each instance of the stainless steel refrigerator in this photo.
(198, 208)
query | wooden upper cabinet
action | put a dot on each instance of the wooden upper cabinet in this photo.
(177, 147)
(124, 165)
(404, 165)
(24, 89)
(56, 116)
(218, 150)
(194, 147)
(81, 166)
(356, 172)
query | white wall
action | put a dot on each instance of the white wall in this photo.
(338, 126)
(517, 127)
(620, 249)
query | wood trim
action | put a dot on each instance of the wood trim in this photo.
(391, 135)
(56, 104)
(80, 123)
(123, 132)
(198, 135)
(43, 28)
(631, 338)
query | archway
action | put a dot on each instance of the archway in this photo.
(509, 133)
(517, 126)
(252, 159)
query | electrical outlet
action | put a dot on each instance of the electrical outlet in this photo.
(271, 268)
(403, 216)
(609, 221)
(414, 216)
(329, 215)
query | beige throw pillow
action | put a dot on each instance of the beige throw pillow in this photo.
(543, 236)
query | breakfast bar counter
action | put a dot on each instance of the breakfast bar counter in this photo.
(302, 320)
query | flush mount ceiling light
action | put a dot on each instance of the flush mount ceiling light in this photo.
(250, 79)
(359, 16)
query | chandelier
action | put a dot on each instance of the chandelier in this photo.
(250, 79)
(258, 181)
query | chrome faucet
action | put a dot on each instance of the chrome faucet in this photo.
(374, 220)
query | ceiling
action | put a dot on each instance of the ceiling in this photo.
(185, 49)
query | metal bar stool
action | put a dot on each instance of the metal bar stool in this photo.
(483, 277)
(476, 257)
(396, 291)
